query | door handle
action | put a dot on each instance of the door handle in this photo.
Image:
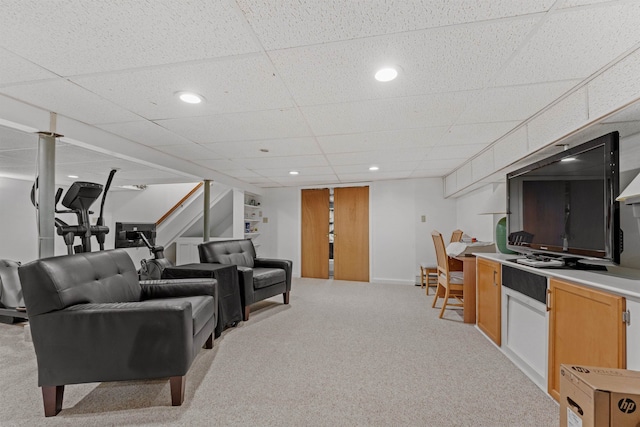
(549, 300)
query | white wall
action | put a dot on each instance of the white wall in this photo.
(399, 241)
(468, 219)
(17, 221)
(148, 205)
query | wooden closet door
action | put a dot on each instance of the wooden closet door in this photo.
(315, 233)
(351, 233)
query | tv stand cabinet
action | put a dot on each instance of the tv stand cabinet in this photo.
(580, 317)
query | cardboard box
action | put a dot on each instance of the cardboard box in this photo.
(599, 397)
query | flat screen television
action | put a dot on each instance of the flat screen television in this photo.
(565, 204)
(128, 234)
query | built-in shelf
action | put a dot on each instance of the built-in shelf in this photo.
(256, 234)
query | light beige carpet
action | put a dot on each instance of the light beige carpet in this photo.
(341, 354)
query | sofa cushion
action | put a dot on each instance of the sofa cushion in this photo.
(264, 277)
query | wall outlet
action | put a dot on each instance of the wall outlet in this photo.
(423, 218)
(265, 220)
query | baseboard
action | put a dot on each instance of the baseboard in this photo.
(392, 282)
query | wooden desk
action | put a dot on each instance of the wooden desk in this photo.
(469, 286)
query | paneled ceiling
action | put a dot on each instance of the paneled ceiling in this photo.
(288, 84)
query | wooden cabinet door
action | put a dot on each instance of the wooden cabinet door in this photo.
(351, 233)
(488, 298)
(585, 328)
(315, 233)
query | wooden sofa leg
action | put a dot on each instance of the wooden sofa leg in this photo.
(247, 310)
(209, 343)
(177, 389)
(286, 297)
(52, 398)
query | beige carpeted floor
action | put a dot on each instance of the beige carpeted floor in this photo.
(341, 354)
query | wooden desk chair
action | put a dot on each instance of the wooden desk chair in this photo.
(429, 273)
(449, 282)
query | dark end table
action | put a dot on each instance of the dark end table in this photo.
(229, 304)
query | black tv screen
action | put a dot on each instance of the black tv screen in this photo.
(565, 204)
(127, 234)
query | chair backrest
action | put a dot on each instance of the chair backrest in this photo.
(51, 284)
(456, 236)
(237, 252)
(441, 254)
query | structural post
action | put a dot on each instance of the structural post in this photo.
(46, 193)
(207, 210)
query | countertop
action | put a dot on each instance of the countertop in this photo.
(620, 281)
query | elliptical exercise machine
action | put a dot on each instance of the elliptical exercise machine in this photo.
(78, 199)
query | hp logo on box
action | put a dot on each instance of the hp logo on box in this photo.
(627, 405)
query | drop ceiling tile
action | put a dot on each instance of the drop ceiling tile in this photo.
(386, 114)
(306, 180)
(63, 97)
(513, 102)
(222, 165)
(11, 139)
(101, 36)
(292, 162)
(569, 114)
(145, 132)
(430, 172)
(378, 176)
(385, 167)
(477, 133)
(629, 114)
(616, 86)
(17, 70)
(276, 147)
(398, 139)
(511, 148)
(13, 162)
(189, 151)
(246, 83)
(244, 174)
(378, 157)
(264, 182)
(576, 3)
(306, 170)
(290, 23)
(431, 61)
(269, 124)
(575, 43)
(454, 151)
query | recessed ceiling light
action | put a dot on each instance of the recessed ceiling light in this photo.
(293, 172)
(374, 168)
(190, 97)
(73, 176)
(386, 74)
(568, 159)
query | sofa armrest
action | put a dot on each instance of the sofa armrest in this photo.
(245, 279)
(113, 341)
(284, 264)
(175, 288)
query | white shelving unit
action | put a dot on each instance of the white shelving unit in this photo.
(252, 217)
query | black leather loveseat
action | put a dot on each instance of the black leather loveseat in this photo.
(260, 278)
(92, 321)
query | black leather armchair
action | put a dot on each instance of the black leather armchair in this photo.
(259, 278)
(92, 321)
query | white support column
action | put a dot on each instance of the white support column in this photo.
(207, 210)
(46, 193)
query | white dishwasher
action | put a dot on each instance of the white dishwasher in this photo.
(525, 322)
